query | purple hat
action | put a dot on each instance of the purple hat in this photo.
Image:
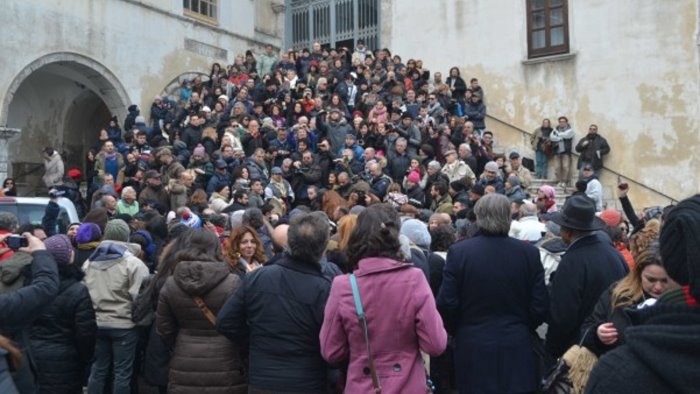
(60, 248)
(198, 151)
(88, 232)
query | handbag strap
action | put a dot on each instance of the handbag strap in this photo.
(363, 324)
(205, 309)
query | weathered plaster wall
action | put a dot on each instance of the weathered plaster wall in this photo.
(634, 73)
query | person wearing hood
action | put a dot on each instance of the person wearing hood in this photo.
(186, 316)
(513, 190)
(551, 248)
(63, 337)
(53, 166)
(662, 350)
(113, 275)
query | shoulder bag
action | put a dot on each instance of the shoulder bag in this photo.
(363, 324)
(205, 309)
(571, 372)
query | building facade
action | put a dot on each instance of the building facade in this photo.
(631, 67)
(67, 67)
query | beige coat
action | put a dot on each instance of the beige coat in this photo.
(113, 276)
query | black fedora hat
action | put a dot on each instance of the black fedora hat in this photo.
(578, 214)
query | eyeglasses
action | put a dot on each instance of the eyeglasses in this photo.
(431, 98)
(592, 129)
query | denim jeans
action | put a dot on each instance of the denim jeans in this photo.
(115, 350)
(540, 164)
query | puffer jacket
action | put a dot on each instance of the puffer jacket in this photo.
(113, 276)
(199, 350)
(63, 337)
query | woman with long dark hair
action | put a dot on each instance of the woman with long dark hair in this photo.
(399, 323)
(187, 306)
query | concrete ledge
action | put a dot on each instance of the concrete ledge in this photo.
(552, 58)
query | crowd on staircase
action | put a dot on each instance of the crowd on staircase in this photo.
(336, 220)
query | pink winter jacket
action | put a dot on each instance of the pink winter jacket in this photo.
(402, 320)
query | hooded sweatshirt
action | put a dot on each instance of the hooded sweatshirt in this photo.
(113, 276)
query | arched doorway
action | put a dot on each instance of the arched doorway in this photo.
(60, 100)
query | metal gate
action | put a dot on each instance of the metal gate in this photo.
(332, 23)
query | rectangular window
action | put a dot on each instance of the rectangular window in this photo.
(202, 9)
(547, 27)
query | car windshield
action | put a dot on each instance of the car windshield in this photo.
(33, 213)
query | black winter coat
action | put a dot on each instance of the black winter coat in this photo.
(661, 355)
(586, 270)
(63, 337)
(18, 308)
(279, 311)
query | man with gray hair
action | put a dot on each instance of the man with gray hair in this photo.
(278, 311)
(496, 304)
(528, 227)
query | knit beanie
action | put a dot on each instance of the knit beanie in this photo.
(413, 177)
(417, 232)
(679, 244)
(117, 230)
(88, 232)
(98, 216)
(198, 151)
(60, 248)
(491, 166)
(611, 217)
(191, 220)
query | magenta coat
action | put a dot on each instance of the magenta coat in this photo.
(402, 320)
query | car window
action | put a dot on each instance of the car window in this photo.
(26, 213)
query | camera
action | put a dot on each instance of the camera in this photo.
(15, 242)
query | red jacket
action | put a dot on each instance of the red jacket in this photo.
(3, 247)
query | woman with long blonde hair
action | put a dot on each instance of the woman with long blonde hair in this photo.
(604, 328)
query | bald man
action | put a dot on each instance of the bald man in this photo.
(279, 238)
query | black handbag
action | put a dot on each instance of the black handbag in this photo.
(557, 381)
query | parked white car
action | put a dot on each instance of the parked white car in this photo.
(31, 210)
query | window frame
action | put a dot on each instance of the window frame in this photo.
(548, 49)
(188, 10)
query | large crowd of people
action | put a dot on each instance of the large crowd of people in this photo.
(330, 220)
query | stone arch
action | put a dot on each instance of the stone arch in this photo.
(62, 100)
(110, 89)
